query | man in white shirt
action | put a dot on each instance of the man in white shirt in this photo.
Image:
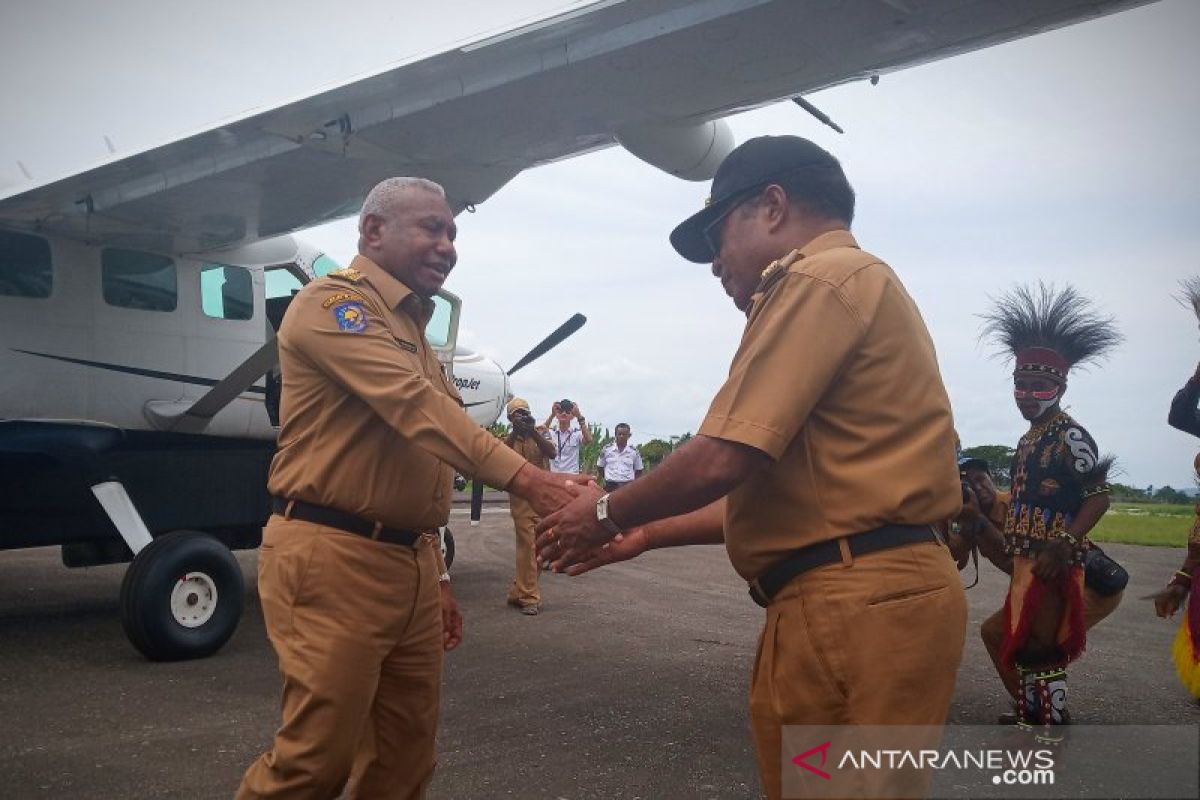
(619, 463)
(567, 440)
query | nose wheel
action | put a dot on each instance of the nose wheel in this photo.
(447, 547)
(182, 597)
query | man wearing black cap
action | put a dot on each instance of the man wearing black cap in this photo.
(822, 464)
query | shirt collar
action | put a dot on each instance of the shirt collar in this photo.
(828, 241)
(777, 268)
(393, 292)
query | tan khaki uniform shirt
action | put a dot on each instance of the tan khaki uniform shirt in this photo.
(370, 424)
(835, 379)
(528, 448)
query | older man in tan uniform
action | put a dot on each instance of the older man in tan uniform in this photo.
(349, 571)
(822, 464)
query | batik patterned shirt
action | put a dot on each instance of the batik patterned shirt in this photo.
(1053, 471)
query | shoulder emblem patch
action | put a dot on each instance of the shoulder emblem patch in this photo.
(351, 317)
(338, 298)
(347, 273)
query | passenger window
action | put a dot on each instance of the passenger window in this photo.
(226, 292)
(133, 279)
(24, 265)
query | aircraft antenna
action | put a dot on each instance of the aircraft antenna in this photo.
(816, 112)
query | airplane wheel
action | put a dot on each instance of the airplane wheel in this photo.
(447, 547)
(181, 597)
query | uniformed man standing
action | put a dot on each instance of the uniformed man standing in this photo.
(619, 462)
(349, 571)
(822, 464)
(532, 442)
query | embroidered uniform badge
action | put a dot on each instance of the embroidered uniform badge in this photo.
(337, 298)
(351, 317)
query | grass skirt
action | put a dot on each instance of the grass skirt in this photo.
(1186, 651)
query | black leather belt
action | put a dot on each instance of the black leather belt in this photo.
(767, 585)
(333, 518)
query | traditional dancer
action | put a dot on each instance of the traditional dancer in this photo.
(1185, 416)
(1059, 491)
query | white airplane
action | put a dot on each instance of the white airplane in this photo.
(139, 296)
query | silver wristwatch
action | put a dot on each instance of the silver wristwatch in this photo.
(603, 518)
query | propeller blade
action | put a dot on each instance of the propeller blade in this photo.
(551, 341)
(476, 501)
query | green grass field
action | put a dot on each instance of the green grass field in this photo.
(1146, 523)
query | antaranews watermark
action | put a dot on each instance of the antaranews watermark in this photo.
(1080, 761)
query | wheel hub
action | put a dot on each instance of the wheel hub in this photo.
(194, 600)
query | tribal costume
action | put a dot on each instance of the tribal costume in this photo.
(1187, 642)
(1055, 471)
(1185, 416)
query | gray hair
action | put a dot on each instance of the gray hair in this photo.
(385, 194)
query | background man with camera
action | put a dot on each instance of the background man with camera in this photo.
(532, 442)
(568, 441)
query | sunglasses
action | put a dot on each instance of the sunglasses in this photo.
(712, 231)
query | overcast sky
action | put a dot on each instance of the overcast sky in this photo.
(1069, 156)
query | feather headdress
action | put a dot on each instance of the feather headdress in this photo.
(1049, 330)
(1191, 294)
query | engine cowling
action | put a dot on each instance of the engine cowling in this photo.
(689, 151)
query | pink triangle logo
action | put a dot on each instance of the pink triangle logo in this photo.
(823, 749)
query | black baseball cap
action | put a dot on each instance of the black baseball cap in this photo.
(754, 163)
(970, 462)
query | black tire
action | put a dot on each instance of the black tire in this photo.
(448, 548)
(155, 579)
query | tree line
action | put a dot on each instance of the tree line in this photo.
(999, 458)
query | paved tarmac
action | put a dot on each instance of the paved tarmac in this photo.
(631, 684)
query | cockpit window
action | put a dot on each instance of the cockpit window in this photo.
(323, 265)
(438, 329)
(133, 279)
(226, 292)
(282, 282)
(24, 265)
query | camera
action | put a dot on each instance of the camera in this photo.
(566, 406)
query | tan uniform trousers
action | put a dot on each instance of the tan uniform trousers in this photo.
(357, 627)
(1095, 608)
(524, 590)
(872, 641)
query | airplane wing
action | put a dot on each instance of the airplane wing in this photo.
(652, 74)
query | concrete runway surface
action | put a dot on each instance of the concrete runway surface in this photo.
(631, 684)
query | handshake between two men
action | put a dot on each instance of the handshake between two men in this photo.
(572, 536)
